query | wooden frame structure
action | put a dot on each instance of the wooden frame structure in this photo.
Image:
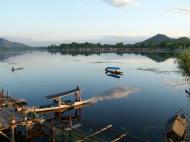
(57, 97)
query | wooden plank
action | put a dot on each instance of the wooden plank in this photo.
(63, 93)
(3, 134)
(120, 137)
(95, 133)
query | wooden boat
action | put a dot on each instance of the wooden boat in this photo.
(59, 104)
(13, 69)
(113, 70)
(176, 128)
(64, 106)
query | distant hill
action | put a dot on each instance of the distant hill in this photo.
(9, 44)
(159, 38)
(163, 41)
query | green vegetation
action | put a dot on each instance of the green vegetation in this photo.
(85, 45)
(158, 41)
(183, 61)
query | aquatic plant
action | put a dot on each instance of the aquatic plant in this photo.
(183, 61)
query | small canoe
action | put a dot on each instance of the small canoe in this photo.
(63, 106)
(13, 69)
(113, 70)
(176, 128)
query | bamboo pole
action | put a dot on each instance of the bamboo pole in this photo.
(120, 137)
(3, 134)
(96, 133)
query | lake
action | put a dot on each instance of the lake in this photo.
(141, 101)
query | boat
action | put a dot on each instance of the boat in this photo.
(64, 106)
(113, 70)
(176, 128)
(13, 69)
(59, 104)
(188, 92)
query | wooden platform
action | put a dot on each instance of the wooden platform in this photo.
(5, 116)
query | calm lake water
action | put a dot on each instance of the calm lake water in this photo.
(141, 101)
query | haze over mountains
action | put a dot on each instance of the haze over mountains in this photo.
(4, 43)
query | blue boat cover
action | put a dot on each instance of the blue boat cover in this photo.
(113, 68)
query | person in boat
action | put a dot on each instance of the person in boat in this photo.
(187, 91)
(13, 69)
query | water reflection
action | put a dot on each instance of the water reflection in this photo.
(155, 56)
(114, 75)
(146, 104)
(116, 93)
(156, 70)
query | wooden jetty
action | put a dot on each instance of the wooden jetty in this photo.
(60, 126)
(6, 100)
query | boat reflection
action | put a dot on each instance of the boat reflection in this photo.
(114, 75)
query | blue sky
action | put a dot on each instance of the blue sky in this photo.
(46, 21)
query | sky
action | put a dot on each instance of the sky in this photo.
(42, 22)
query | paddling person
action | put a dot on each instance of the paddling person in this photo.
(13, 69)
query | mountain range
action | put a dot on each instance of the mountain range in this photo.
(163, 41)
(9, 44)
(157, 41)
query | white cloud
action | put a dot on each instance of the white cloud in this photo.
(180, 10)
(120, 3)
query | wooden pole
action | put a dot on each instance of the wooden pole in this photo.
(12, 128)
(59, 101)
(120, 137)
(6, 136)
(96, 133)
(79, 95)
(26, 131)
(52, 132)
(70, 122)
